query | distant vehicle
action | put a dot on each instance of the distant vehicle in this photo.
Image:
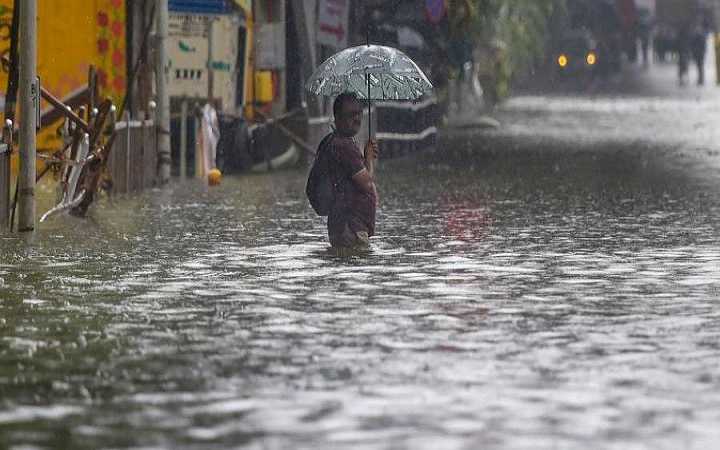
(589, 38)
(576, 54)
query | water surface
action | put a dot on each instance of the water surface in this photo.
(522, 293)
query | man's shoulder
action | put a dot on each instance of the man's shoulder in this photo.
(336, 142)
(347, 154)
(343, 142)
(345, 147)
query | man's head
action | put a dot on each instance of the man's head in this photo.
(347, 110)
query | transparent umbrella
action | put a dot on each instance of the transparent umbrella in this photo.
(372, 72)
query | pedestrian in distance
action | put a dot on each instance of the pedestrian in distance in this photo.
(341, 182)
(683, 49)
(698, 45)
(644, 28)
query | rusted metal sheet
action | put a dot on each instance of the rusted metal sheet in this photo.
(132, 163)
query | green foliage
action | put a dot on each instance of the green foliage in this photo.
(516, 29)
(522, 26)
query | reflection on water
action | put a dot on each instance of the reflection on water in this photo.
(514, 299)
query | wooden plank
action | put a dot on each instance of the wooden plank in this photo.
(4, 187)
(120, 169)
(140, 164)
(150, 154)
(136, 149)
(111, 164)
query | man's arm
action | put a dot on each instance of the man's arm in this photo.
(364, 179)
(371, 153)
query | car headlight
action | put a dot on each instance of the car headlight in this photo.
(562, 60)
(591, 58)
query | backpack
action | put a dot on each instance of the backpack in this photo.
(320, 190)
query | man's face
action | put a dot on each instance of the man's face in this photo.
(350, 118)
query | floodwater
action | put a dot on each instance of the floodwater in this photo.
(542, 286)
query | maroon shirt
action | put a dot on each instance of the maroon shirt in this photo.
(353, 207)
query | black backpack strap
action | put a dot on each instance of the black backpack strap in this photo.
(324, 143)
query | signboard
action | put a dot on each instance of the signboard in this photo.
(188, 55)
(435, 10)
(333, 23)
(270, 46)
(198, 6)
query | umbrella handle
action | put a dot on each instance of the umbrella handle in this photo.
(367, 78)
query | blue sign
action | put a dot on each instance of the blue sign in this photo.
(199, 6)
(435, 10)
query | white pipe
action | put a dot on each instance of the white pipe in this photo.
(64, 206)
(68, 201)
(82, 153)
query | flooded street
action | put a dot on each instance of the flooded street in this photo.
(553, 284)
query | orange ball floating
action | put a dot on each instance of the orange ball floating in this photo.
(214, 177)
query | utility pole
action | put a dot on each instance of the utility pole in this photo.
(210, 73)
(163, 99)
(29, 102)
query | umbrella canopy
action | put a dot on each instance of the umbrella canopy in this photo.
(372, 72)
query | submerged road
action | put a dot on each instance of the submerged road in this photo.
(553, 284)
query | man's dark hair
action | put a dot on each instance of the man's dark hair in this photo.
(340, 101)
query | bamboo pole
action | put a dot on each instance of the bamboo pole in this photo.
(5, 174)
(47, 96)
(92, 88)
(210, 71)
(29, 101)
(128, 148)
(199, 153)
(65, 109)
(12, 63)
(163, 100)
(183, 137)
(6, 221)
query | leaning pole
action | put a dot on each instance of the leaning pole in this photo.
(163, 99)
(29, 98)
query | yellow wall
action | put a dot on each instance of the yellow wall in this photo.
(72, 34)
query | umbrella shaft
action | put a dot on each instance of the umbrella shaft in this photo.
(367, 78)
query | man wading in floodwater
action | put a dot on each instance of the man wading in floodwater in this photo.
(349, 174)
